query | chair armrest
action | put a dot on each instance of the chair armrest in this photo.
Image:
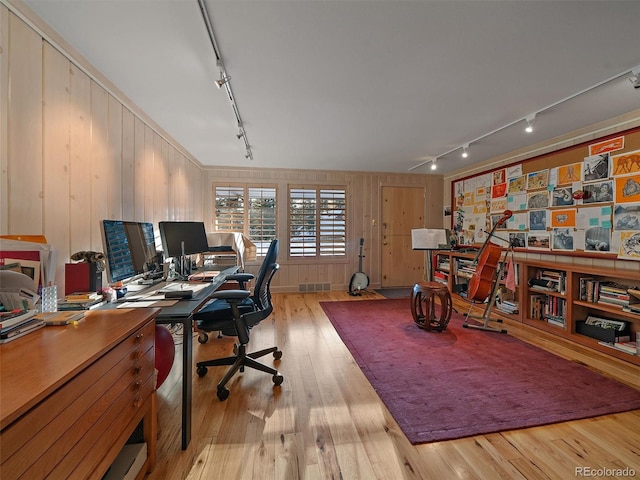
(231, 294)
(240, 277)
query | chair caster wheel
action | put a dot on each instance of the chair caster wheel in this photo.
(201, 371)
(278, 379)
(203, 337)
(223, 393)
(277, 354)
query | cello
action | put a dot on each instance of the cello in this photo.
(487, 262)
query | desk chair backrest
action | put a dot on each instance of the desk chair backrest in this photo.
(261, 295)
(261, 292)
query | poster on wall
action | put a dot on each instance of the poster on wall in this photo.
(517, 184)
(598, 192)
(595, 167)
(539, 241)
(628, 189)
(609, 145)
(597, 239)
(629, 245)
(625, 164)
(627, 217)
(563, 239)
(537, 180)
(570, 173)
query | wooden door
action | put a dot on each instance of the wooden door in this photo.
(402, 210)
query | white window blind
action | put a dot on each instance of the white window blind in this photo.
(248, 210)
(317, 222)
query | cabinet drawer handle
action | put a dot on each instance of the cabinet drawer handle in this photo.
(137, 402)
(139, 338)
(137, 369)
(137, 385)
(136, 354)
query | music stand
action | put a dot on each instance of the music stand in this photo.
(430, 239)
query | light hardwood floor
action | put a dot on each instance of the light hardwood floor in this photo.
(326, 422)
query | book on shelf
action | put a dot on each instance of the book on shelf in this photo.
(555, 320)
(21, 330)
(606, 323)
(15, 317)
(623, 346)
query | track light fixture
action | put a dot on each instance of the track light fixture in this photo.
(530, 121)
(222, 81)
(433, 164)
(465, 150)
(240, 134)
(635, 77)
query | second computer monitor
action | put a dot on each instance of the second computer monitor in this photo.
(183, 238)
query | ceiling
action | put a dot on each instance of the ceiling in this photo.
(362, 85)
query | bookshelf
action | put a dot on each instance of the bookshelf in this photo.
(558, 297)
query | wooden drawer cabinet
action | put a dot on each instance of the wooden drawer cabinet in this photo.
(96, 387)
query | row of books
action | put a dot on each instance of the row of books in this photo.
(610, 293)
(508, 306)
(16, 323)
(81, 301)
(545, 307)
(627, 347)
(548, 281)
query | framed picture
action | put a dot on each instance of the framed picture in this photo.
(30, 268)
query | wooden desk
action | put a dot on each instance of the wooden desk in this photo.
(182, 313)
(71, 396)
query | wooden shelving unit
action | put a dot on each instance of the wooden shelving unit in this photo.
(450, 265)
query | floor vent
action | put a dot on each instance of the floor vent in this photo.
(314, 287)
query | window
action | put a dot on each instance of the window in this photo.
(317, 222)
(248, 210)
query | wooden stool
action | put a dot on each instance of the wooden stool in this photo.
(427, 292)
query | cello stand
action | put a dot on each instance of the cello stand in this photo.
(486, 316)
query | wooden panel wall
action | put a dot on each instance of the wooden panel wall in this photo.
(72, 154)
(363, 218)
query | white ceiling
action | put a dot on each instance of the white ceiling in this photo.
(361, 85)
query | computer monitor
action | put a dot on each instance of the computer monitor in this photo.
(129, 248)
(183, 238)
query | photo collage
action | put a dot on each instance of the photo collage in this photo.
(592, 205)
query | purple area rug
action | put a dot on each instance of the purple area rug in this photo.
(463, 382)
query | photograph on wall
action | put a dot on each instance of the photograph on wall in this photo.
(626, 217)
(481, 192)
(563, 218)
(597, 239)
(499, 177)
(518, 221)
(468, 199)
(625, 164)
(447, 210)
(514, 170)
(517, 240)
(517, 201)
(517, 184)
(498, 205)
(629, 245)
(539, 241)
(499, 190)
(538, 200)
(594, 216)
(538, 219)
(537, 180)
(598, 192)
(563, 238)
(628, 189)
(609, 145)
(480, 207)
(494, 222)
(570, 173)
(595, 167)
(562, 196)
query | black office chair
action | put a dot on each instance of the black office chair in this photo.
(243, 312)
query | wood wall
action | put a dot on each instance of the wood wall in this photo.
(74, 151)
